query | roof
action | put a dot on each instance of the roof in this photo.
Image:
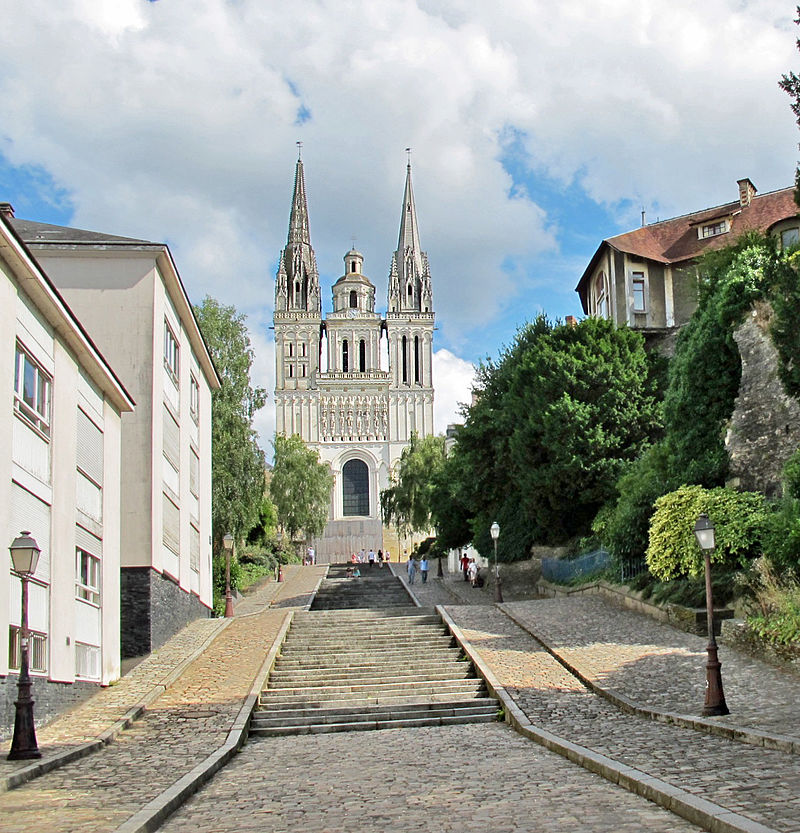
(38, 286)
(45, 233)
(39, 236)
(674, 241)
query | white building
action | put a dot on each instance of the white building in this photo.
(129, 296)
(61, 459)
(354, 385)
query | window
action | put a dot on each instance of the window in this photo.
(194, 472)
(32, 387)
(405, 359)
(353, 266)
(194, 398)
(601, 309)
(790, 237)
(416, 359)
(362, 356)
(303, 349)
(87, 661)
(353, 299)
(713, 229)
(355, 488)
(291, 371)
(303, 370)
(171, 353)
(87, 576)
(172, 525)
(291, 349)
(345, 357)
(194, 548)
(37, 650)
(172, 439)
(638, 289)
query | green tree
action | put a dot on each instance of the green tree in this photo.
(237, 461)
(300, 487)
(790, 84)
(450, 512)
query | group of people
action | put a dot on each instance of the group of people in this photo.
(370, 558)
(411, 567)
(472, 572)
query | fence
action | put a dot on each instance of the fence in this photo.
(562, 571)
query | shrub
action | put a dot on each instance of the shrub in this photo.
(775, 613)
(738, 517)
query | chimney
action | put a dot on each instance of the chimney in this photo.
(746, 192)
(571, 321)
(6, 211)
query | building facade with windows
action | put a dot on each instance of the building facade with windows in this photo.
(129, 296)
(646, 278)
(61, 457)
(354, 384)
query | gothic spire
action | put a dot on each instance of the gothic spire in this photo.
(298, 219)
(297, 285)
(409, 283)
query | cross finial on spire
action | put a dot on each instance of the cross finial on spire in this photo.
(408, 152)
(354, 238)
(299, 150)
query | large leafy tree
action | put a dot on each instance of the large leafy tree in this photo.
(300, 487)
(555, 422)
(237, 460)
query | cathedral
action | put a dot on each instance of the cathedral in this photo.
(354, 385)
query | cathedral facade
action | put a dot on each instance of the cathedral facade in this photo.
(354, 384)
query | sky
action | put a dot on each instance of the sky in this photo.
(537, 130)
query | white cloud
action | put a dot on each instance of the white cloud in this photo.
(176, 120)
(453, 379)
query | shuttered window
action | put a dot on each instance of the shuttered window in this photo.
(90, 448)
(194, 473)
(33, 515)
(87, 661)
(172, 439)
(172, 526)
(194, 549)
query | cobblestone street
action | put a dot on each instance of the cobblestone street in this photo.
(457, 778)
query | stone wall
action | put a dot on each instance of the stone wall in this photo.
(50, 699)
(154, 608)
(764, 430)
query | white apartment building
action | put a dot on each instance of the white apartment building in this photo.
(60, 452)
(129, 296)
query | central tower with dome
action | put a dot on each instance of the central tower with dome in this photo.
(353, 385)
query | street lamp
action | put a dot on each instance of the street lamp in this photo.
(715, 696)
(498, 589)
(227, 542)
(24, 557)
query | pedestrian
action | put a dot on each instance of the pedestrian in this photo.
(380, 558)
(371, 557)
(423, 568)
(362, 556)
(472, 571)
(465, 566)
(411, 566)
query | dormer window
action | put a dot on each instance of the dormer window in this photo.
(713, 229)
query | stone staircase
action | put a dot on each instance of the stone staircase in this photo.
(369, 667)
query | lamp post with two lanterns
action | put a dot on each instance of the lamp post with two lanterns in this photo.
(24, 556)
(715, 697)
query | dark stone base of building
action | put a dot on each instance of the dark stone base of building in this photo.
(50, 699)
(154, 608)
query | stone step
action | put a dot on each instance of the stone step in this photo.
(361, 702)
(382, 677)
(365, 613)
(407, 687)
(370, 660)
(383, 723)
(371, 642)
(346, 707)
(389, 623)
(264, 719)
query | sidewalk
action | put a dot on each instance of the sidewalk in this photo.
(188, 718)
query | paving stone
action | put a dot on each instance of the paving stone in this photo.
(458, 778)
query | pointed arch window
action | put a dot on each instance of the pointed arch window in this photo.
(405, 359)
(345, 357)
(362, 356)
(355, 488)
(416, 359)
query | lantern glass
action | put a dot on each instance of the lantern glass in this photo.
(24, 554)
(227, 541)
(495, 530)
(704, 531)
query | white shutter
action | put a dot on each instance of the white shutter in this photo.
(194, 550)
(194, 473)
(28, 513)
(90, 448)
(88, 542)
(172, 526)
(172, 439)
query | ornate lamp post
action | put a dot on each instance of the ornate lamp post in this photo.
(227, 542)
(715, 697)
(498, 588)
(24, 556)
